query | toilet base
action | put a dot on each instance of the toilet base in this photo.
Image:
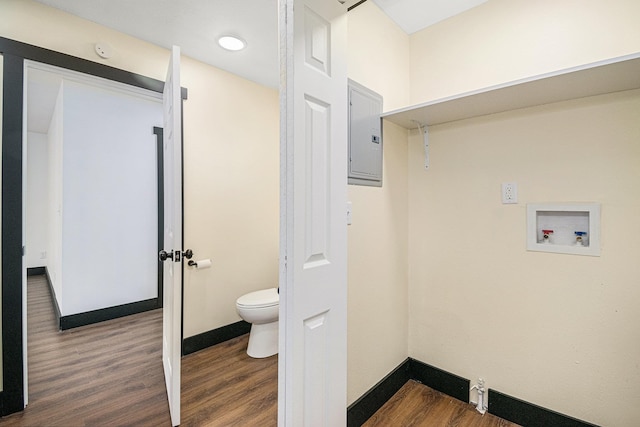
(263, 340)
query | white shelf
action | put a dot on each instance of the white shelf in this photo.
(614, 75)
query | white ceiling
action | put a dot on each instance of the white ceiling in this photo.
(195, 26)
(415, 15)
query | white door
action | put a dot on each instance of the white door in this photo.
(313, 247)
(172, 277)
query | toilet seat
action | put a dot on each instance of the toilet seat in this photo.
(259, 299)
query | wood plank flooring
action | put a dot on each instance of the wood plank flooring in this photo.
(416, 405)
(222, 386)
(110, 374)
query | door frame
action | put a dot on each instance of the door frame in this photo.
(15, 53)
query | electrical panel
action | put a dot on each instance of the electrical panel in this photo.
(365, 136)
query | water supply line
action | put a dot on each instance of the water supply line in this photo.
(480, 407)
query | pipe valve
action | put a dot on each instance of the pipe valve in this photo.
(579, 234)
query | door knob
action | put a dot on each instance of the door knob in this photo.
(164, 255)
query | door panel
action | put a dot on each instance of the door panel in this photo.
(172, 274)
(312, 376)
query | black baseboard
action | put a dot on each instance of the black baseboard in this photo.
(363, 408)
(36, 271)
(500, 405)
(95, 316)
(527, 414)
(54, 299)
(10, 403)
(214, 336)
(440, 380)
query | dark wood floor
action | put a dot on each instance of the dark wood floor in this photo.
(110, 374)
(416, 405)
(222, 386)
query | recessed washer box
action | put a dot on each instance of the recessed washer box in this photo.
(566, 228)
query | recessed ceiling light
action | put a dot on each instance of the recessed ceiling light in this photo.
(232, 43)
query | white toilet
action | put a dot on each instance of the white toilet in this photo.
(260, 308)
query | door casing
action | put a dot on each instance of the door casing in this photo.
(14, 55)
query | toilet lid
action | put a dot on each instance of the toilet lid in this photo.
(263, 298)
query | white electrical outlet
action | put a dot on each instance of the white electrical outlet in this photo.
(509, 192)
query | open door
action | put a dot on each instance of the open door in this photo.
(313, 232)
(172, 253)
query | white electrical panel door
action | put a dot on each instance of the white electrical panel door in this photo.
(365, 136)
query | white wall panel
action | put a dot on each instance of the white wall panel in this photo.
(109, 220)
(54, 208)
(37, 199)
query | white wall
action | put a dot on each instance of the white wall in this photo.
(37, 199)
(378, 58)
(54, 190)
(109, 197)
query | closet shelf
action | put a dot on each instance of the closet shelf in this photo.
(614, 75)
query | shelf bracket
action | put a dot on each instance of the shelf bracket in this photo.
(424, 130)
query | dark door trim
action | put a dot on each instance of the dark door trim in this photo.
(12, 251)
(14, 54)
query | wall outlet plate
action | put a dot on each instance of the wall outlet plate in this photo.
(509, 192)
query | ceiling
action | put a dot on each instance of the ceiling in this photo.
(195, 26)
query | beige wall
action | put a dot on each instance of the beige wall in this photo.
(437, 265)
(31, 22)
(505, 40)
(231, 193)
(377, 297)
(231, 173)
(559, 331)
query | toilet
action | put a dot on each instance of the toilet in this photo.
(260, 308)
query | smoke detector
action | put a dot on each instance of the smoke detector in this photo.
(103, 50)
